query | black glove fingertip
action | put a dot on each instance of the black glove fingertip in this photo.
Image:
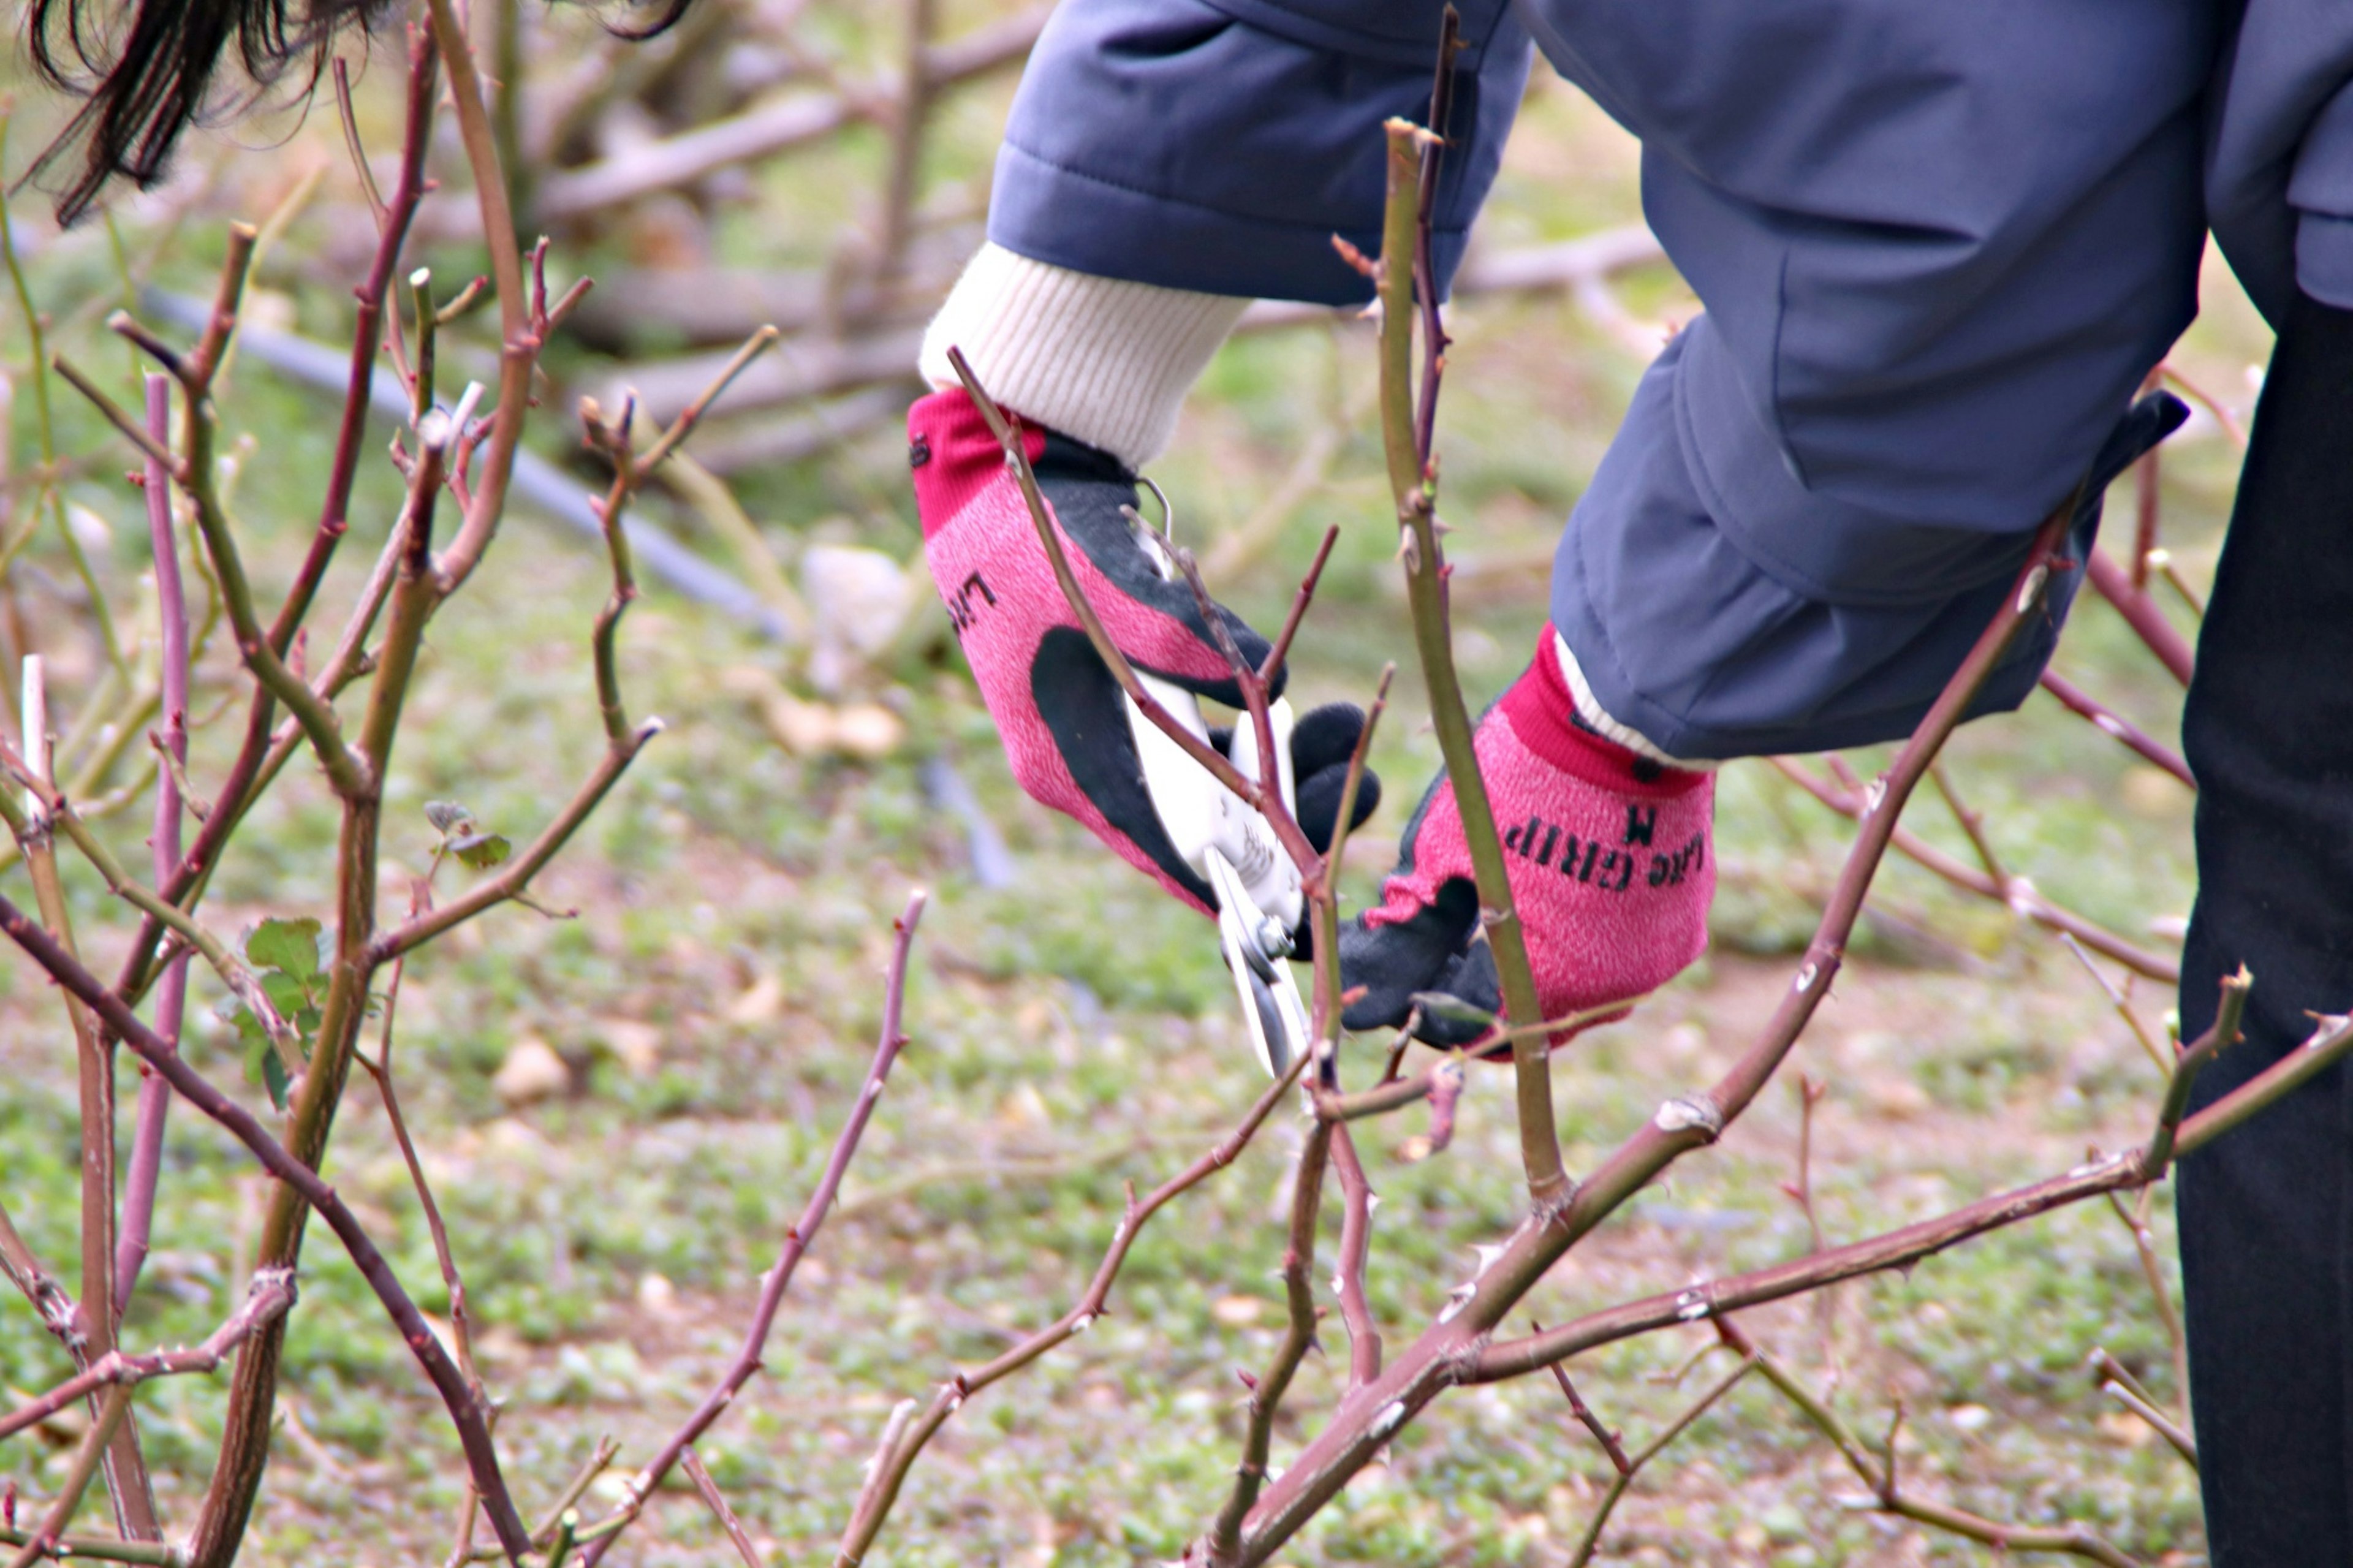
(1471, 979)
(1325, 737)
(1421, 953)
(1319, 802)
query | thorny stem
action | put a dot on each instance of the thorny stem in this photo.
(1280, 648)
(779, 1276)
(1810, 1094)
(244, 1447)
(102, 617)
(255, 765)
(1254, 689)
(2164, 1426)
(1972, 823)
(1412, 484)
(2112, 582)
(2116, 728)
(270, 1295)
(127, 1482)
(170, 1002)
(2136, 1220)
(72, 1547)
(1299, 1336)
(515, 877)
(2331, 1038)
(2073, 1538)
(1356, 1200)
(1907, 1246)
(600, 1460)
(1434, 340)
(58, 813)
(248, 774)
(49, 1301)
(717, 1501)
(2020, 894)
(883, 1488)
(519, 338)
(2117, 1382)
(43, 1541)
(1384, 1098)
(2161, 562)
(299, 1178)
(2161, 1055)
(630, 472)
(352, 143)
(1629, 1466)
(1444, 1352)
(461, 1320)
(623, 741)
(1611, 1443)
(2192, 1060)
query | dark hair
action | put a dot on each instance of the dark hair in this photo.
(147, 78)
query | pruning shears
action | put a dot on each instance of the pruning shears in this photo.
(1233, 848)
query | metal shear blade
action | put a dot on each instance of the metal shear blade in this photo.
(1233, 849)
(1255, 945)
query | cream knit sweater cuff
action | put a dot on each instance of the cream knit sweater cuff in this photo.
(1104, 361)
(1589, 709)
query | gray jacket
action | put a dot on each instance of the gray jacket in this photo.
(1939, 246)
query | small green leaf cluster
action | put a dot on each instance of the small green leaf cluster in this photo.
(284, 957)
(463, 837)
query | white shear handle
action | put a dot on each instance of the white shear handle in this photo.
(1201, 815)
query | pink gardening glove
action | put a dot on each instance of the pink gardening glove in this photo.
(1057, 708)
(1609, 858)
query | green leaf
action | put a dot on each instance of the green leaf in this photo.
(285, 993)
(480, 850)
(257, 1048)
(274, 1078)
(289, 946)
(447, 815)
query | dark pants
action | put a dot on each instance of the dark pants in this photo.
(2266, 1214)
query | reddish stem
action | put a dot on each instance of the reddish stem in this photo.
(465, 1413)
(2108, 722)
(2140, 611)
(1355, 1245)
(171, 1000)
(797, 1241)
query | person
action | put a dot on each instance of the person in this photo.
(1938, 248)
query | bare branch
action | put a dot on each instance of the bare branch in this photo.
(270, 1296)
(2107, 722)
(796, 1242)
(464, 1411)
(883, 1491)
(692, 1464)
(2020, 895)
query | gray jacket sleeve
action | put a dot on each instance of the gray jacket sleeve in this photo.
(1939, 246)
(2279, 174)
(1219, 144)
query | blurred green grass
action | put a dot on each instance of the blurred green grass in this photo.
(1074, 1031)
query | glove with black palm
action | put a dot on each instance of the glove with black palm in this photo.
(1060, 714)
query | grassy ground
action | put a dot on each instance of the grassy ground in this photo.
(714, 1002)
